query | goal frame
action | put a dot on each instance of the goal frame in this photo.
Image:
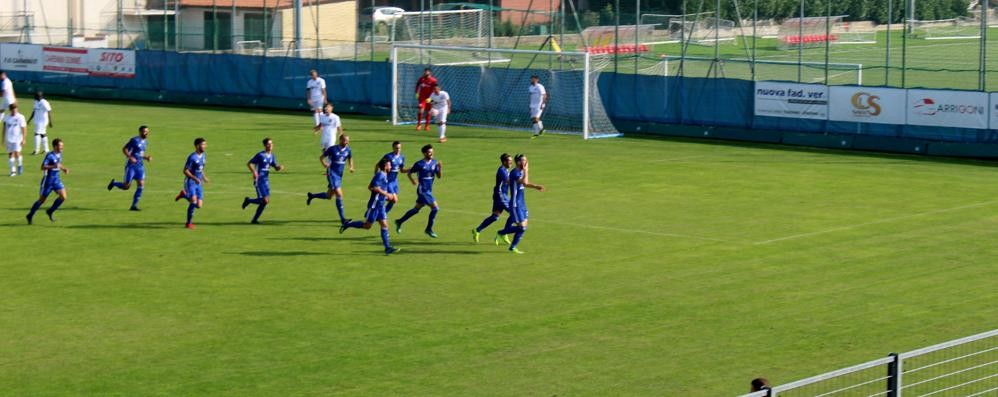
(586, 87)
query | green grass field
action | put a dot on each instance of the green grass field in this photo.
(653, 266)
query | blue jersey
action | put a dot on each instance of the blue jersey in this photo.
(502, 185)
(398, 162)
(52, 158)
(137, 147)
(379, 180)
(263, 161)
(338, 157)
(517, 189)
(426, 171)
(195, 163)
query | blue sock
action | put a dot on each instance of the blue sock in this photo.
(137, 196)
(509, 222)
(257, 201)
(408, 215)
(517, 237)
(510, 230)
(488, 221)
(384, 239)
(324, 196)
(34, 208)
(433, 216)
(55, 205)
(190, 211)
(119, 185)
(355, 224)
(339, 208)
(388, 208)
(259, 210)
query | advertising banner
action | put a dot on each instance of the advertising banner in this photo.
(994, 110)
(867, 105)
(112, 63)
(941, 108)
(65, 60)
(21, 57)
(802, 101)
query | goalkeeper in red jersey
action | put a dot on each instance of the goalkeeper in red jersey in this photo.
(424, 88)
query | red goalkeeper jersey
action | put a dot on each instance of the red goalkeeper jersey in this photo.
(424, 86)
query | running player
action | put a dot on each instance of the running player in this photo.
(424, 88)
(315, 94)
(43, 111)
(194, 180)
(339, 156)
(519, 180)
(376, 205)
(135, 155)
(440, 100)
(500, 196)
(7, 97)
(538, 100)
(259, 166)
(15, 129)
(329, 125)
(397, 160)
(427, 170)
(51, 182)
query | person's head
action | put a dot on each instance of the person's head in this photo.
(328, 108)
(200, 144)
(427, 151)
(39, 95)
(57, 145)
(268, 144)
(13, 108)
(760, 384)
(144, 131)
(437, 88)
(3, 74)
(521, 160)
(396, 147)
(534, 79)
(344, 140)
(506, 160)
(427, 72)
(313, 73)
(384, 165)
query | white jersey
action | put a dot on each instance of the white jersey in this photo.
(537, 93)
(439, 101)
(8, 92)
(315, 87)
(42, 109)
(329, 125)
(12, 126)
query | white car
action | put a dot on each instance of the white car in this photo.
(382, 15)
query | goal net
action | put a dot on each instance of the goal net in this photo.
(946, 29)
(764, 69)
(488, 87)
(455, 27)
(819, 31)
(703, 30)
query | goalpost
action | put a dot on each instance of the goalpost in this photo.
(488, 87)
(946, 29)
(453, 27)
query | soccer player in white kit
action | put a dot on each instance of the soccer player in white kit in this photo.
(15, 128)
(315, 93)
(43, 119)
(330, 126)
(7, 97)
(440, 100)
(538, 98)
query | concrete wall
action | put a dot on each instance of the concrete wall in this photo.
(337, 24)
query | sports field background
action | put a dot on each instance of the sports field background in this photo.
(653, 266)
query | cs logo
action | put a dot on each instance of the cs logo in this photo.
(866, 104)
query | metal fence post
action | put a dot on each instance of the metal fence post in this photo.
(894, 376)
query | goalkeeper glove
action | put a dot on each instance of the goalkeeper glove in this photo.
(428, 100)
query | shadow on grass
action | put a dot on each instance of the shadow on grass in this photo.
(278, 253)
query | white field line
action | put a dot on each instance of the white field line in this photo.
(885, 220)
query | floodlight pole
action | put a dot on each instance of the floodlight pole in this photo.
(297, 6)
(800, 43)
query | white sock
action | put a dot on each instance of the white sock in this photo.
(315, 116)
(10, 161)
(19, 160)
(443, 131)
(537, 128)
(540, 125)
(45, 143)
(38, 142)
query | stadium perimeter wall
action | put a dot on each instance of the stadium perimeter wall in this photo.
(672, 106)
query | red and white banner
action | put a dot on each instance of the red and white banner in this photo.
(21, 57)
(942, 108)
(65, 60)
(112, 63)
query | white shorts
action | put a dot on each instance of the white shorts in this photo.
(536, 112)
(325, 145)
(317, 103)
(13, 147)
(439, 115)
(6, 104)
(40, 129)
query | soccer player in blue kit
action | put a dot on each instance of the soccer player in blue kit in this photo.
(397, 160)
(427, 170)
(519, 180)
(500, 197)
(194, 179)
(376, 205)
(51, 166)
(135, 153)
(259, 166)
(339, 156)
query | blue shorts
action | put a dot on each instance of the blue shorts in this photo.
(499, 205)
(193, 190)
(262, 188)
(135, 171)
(393, 187)
(425, 198)
(376, 214)
(334, 180)
(519, 214)
(50, 185)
